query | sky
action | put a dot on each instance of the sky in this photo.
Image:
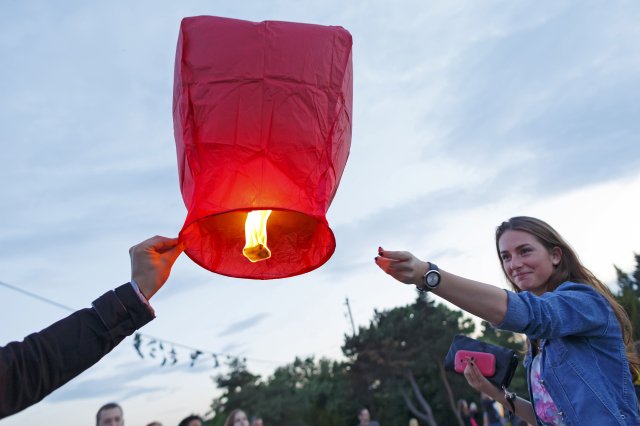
(465, 113)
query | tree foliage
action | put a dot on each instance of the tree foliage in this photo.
(629, 295)
(404, 345)
(305, 392)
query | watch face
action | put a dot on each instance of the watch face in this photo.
(433, 279)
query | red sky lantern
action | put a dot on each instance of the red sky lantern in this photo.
(262, 121)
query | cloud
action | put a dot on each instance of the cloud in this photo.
(243, 325)
(233, 347)
(131, 379)
(405, 221)
(548, 90)
(122, 384)
(100, 389)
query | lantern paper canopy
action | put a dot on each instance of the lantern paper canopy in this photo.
(262, 121)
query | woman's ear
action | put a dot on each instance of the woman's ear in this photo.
(556, 255)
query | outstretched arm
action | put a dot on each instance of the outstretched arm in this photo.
(483, 300)
(44, 361)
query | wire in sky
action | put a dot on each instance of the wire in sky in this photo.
(37, 296)
(195, 352)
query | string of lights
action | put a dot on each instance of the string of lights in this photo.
(153, 347)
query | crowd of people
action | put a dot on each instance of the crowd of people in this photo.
(490, 414)
(111, 414)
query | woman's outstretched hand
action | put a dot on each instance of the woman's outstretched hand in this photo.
(402, 265)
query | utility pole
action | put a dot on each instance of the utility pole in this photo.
(353, 327)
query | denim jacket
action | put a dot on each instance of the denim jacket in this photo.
(584, 363)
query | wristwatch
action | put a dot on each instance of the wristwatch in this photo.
(431, 278)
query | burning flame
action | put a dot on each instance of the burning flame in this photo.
(255, 231)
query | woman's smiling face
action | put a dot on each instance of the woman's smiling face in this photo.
(527, 263)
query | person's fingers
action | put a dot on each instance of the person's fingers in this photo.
(156, 244)
(162, 244)
(385, 263)
(174, 252)
(394, 255)
(475, 370)
(396, 268)
(468, 372)
(472, 373)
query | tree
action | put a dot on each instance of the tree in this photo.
(240, 389)
(629, 295)
(304, 392)
(327, 395)
(397, 363)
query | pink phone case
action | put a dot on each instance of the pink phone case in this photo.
(486, 362)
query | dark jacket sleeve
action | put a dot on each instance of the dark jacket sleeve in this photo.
(44, 361)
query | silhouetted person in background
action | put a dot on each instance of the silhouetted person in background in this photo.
(365, 418)
(192, 420)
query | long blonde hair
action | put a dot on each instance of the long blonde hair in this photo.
(570, 269)
(231, 418)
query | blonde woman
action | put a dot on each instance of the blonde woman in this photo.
(237, 418)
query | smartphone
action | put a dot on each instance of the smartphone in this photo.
(486, 362)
